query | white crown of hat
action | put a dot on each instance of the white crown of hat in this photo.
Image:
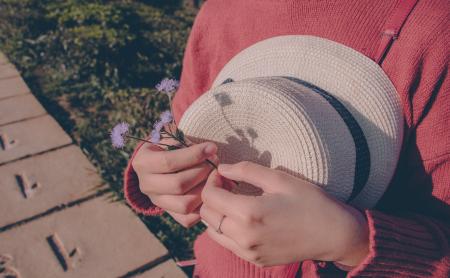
(314, 108)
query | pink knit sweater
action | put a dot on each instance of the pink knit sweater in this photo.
(410, 226)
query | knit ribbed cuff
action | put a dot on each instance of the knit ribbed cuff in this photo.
(137, 200)
(399, 247)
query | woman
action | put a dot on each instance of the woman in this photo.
(406, 234)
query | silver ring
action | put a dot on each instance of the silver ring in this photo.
(220, 224)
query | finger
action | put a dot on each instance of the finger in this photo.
(186, 221)
(176, 160)
(213, 218)
(223, 201)
(182, 204)
(176, 183)
(267, 179)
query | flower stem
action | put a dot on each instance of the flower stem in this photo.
(207, 160)
(186, 145)
(147, 141)
(183, 143)
(171, 112)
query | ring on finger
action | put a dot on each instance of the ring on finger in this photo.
(218, 230)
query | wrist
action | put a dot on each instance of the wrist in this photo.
(357, 246)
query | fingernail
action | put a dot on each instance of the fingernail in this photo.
(223, 168)
(204, 222)
(209, 149)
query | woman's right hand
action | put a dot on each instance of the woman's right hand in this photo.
(173, 180)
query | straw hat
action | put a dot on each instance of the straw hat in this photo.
(309, 106)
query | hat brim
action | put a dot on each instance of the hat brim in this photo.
(356, 81)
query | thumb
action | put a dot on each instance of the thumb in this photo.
(267, 179)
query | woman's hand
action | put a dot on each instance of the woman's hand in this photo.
(292, 221)
(173, 180)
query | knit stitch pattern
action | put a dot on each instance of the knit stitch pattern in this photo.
(409, 227)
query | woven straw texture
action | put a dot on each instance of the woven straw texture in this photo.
(281, 124)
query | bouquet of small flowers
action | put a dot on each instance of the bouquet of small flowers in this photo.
(165, 127)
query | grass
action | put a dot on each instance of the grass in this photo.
(95, 63)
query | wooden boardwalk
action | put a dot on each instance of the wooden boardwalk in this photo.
(54, 219)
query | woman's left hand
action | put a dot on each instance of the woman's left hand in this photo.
(293, 220)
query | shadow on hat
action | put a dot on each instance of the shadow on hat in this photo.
(308, 106)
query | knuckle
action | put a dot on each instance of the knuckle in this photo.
(177, 186)
(257, 217)
(183, 208)
(167, 163)
(247, 219)
(192, 205)
(243, 166)
(247, 243)
(252, 215)
(254, 257)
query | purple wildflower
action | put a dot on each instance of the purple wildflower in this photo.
(158, 125)
(166, 117)
(167, 86)
(117, 135)
(155, 136)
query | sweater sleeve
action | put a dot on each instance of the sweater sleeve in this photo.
(406, 246)
(410, 236)
(410, 229)
(137, 200)
(192, 83)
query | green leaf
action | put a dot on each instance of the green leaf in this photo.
(172, 147)
(180, 135)
(94, 63)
